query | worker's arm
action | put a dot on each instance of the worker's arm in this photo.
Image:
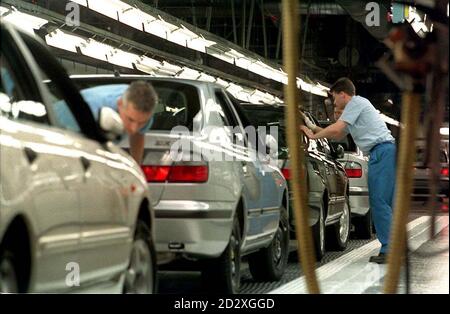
(336, 131)
(137, 147)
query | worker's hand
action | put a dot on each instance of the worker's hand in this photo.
(309, 123)
(307, 131)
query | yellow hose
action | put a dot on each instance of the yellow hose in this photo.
(291, 31)
(405, 162)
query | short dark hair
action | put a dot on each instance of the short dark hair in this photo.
(345, 85)
(142, 95)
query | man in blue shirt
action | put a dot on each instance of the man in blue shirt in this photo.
(135, 104)
(371, 135)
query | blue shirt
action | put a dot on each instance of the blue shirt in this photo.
(365, 125)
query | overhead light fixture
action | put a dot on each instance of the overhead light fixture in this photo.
(122, 58)
(206, 78)
(159, 27)
(181, 36)
(110, 8)
(61, 40)
(188, 73)
(25, 22)
(148, 65)
(80, 2)
(222, 83)
(169, 68)
(135, 18)
(95, 49)
(200, 44)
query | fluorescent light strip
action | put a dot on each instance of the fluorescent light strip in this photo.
(182, 36)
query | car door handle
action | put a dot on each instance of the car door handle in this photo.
(31, 154)
(85, 163)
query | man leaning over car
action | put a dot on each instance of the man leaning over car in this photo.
(371, 135)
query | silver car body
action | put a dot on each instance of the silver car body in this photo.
(67, 202)
(194, 220)
(359, 190)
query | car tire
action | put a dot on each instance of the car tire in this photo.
(8, 279)
(269, 264)
(339, 233)
(223, 274)
(363, 226)
(140, 276)
(318, 231)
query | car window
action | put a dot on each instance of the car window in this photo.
(64, 117)
(178, 103)
(228, 116)
(421, 155)
(14, 103)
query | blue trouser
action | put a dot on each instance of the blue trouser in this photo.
(381, 189)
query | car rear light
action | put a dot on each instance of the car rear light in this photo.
(353, 170)
(176, 174)
(188, 174)
(156, 173)
(444, 172)
(286, 173)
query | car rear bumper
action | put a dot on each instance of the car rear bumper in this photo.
(421, 188)
(193, 228)
(359, 201)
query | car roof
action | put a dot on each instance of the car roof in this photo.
(124, 77)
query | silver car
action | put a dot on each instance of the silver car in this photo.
(75, 211)
(210, 210)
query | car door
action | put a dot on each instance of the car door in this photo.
(55, 172)
(270, 196)
(104, 183)
(339, 175)
(250, 173)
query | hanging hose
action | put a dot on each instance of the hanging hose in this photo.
(298, 182)
(406, 157)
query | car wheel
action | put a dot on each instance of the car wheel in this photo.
(269, 264)
(223, 274)
(339, 232)
(140, 276)
(8, 278)
(363, 226)
(319, 235)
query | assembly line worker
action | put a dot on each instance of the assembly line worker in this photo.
(371, 135)
(135, 104)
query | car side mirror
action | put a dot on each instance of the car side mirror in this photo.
(111, 123)
(339, 152)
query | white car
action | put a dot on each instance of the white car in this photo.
(75, 212)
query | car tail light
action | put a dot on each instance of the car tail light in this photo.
(188, 174)
(286, 173)
(353, 170)
(156, 173)
(444, 172)
(176, 174)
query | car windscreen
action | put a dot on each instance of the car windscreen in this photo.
(178, 103)
(267, 117)
(421, 155)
